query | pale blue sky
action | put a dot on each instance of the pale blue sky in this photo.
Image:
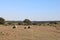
(39, 10)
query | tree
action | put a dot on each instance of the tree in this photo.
(2, 20)
(27, 21)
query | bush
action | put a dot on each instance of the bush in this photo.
(19, 23)
(2, 20)
(34, 23)
(55, 23)
(27, 21)
(9, 23)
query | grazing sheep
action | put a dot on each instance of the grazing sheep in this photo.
(29, 27)
(24, 27)
(14, 26)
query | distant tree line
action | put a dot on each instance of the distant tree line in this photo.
(24, 22)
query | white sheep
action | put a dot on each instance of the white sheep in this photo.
(14, 26)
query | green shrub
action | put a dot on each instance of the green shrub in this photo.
(27, 21)
(2, 20)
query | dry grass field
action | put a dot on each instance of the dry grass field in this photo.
(34, 33)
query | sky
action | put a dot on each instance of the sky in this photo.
(35, 10)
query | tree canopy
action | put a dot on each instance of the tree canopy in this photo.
(2, 20)
(27, 21)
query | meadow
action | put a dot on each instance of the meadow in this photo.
(36, 32)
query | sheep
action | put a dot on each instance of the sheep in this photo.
(29, 27)
(14, 26)
(24, 27)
